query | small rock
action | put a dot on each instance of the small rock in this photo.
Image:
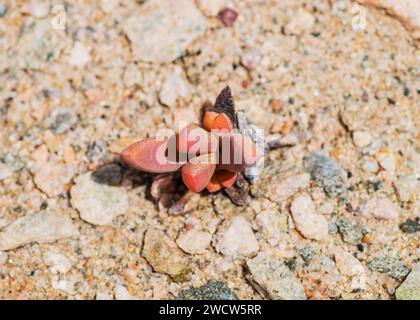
(5, 172)
(228, 16)
(194, 241)
(307, 254)
(250, 60)
(351, 231)
(406, 187)
(362, 138)
(370, 165)
(288, 187)
(57, 262)
(109, 5)
(164, 256)
(212, 290)
(236, 238)
(103, 295)
(272, 278)
(387, 161)
(327, 174)
(410, 226)
(223, 265)
(3, 258)
(36, 8)
(98, 203)
(347, 264)
(182, 23)
(79, 55)
(380, 208)
(407, 11)
(45, 226)
(389, 265)
(3, 10)
(121, 293)
(174, 87)
(65, 285)
(52, 178)
(63, 119)
(211, 7)
(410, 288)
(97, 151)
(307, 221)
(302, 22)
(272, 225)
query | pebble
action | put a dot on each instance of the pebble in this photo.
(5, 172)
(174, 87)
(370, 165)
(63, 119)
(3, 257)
(103, 295)
(301, 23)
(222, 265)
(121, 293)
(164, 256)
(212, 290)
(362, 138)
(98, 203)
(194, 241)
(389, 265)
(407, 11)
(250, 60)
(57, 262)
(236, 238)
(211, 7)
(79, 55)
(306, 219)
(42, 227)
(406, 187)
(350, 230)
(228, 16)
(3, 10)
(410, 226)
(272, 224)
(52, 178)
(327, 174)
(37, 8)
(410, 288)
(380, 208)
(182, 23)
(283, 189)
(387, 161)
(307, 254)
(273, 279)
(348, 264)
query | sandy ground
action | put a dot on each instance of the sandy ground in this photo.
(334, 216)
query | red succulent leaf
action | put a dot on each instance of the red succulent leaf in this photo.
(243, 153)
(197, 173)
(226, 178)
(150, 155)
(222, 122)
(208, 119)
(214, 185)
(194, 140)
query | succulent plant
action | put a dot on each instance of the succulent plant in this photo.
(209, 156)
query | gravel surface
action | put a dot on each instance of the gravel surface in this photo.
(333, 215)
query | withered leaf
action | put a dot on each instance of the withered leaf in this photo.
(238, 193)
(225, 104)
